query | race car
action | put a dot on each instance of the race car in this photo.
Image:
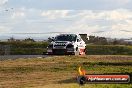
(67, 44)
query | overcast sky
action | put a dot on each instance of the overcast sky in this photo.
(76, 16)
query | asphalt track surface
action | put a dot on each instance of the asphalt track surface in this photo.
(13, 57)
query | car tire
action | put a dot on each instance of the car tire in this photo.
(85, 51)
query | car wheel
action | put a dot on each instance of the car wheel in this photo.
(85, 51)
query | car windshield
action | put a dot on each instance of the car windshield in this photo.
(66, 38)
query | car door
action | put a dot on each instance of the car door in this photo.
(81, 46)
(79, 43)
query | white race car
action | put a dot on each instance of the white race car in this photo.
(67, 44)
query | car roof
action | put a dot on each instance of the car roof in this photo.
(69, 34)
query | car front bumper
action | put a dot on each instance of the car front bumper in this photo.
(60, 51)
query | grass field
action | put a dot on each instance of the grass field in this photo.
(61, 71)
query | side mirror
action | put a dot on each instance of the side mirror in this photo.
(53, 38)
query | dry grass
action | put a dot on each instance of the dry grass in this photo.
(59, 71)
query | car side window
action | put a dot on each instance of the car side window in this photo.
(78, 39)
